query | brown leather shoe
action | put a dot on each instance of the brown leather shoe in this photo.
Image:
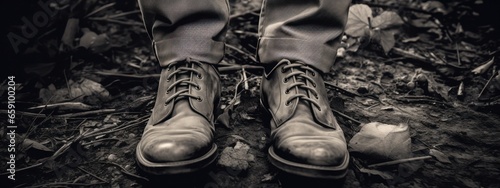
(179, 135)
(307, 138)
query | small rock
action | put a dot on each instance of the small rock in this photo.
(112, 157)
(236, 159)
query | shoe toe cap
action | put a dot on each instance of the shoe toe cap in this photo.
(330, 152)
(173, 149)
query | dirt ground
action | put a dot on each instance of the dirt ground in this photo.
(452, 112)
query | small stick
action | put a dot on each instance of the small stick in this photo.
(242, 52)
(115, 15)
(399, 161)
(117, 21)
(488, 83)
(93, 175)
(21, 113)
(100, 9)
(127, 75)
(245, 80)
(346, 116)
(65, 106)
(85, 113)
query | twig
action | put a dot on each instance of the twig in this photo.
(123, 170)
(93, 112)
(127, 75)
(100, 140)
(93, 175)
(341, 90)
(117, 21)
(21, 113)
(347, 117)
(115, 15)
(414, 56)
(399, 161)
(245, 80)
(65, 106)
(488, 83)
(100, 9)
(242, 52)
(122, 127)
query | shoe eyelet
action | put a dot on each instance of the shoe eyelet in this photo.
(283, 70)
(313, 73)
(285, 80)
(287, 92)
(198, 88)
(287, 104)
(199, 76)
(199, 99)
(168, 92)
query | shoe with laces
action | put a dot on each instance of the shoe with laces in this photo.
(178, 137)
(307, 139)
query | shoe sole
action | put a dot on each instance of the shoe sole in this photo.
(178, 167)
(307, 170)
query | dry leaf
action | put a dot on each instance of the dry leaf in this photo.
(76, 92)
(358, 20)
(383, 141)
(484, 67)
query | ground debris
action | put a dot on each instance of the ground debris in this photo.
(237, 158)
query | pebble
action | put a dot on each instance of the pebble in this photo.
(236, 159)
(112, 157)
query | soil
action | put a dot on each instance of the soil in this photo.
(363, 86)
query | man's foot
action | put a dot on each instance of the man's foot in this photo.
(307, 138)
(179, 135)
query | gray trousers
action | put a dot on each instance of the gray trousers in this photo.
(302, 30)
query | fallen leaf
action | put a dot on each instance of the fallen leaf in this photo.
(383, 141)
(386, 19)
(97, 43)
(386, 40)
(484, 67)
(36, 150)
(440, 156)
(76, 92)
(358, 20)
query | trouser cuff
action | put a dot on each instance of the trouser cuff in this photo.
(316, 55)
(179, 49)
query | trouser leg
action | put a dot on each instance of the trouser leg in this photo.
(182, 29)
(302, 30)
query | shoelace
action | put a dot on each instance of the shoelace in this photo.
(299, 73)
(183, 67)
